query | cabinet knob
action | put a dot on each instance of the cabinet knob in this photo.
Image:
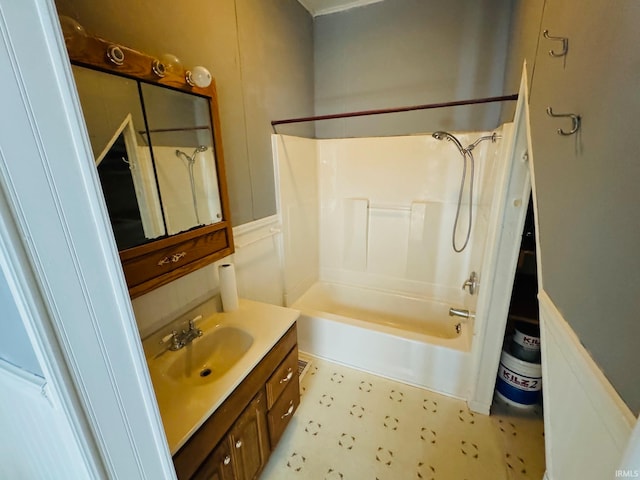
(227, 460)
(238, 443)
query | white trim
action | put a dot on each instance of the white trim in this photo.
(61, 260)
(27, 380)
(631, 457)
(252, 232)
(341, 6)
(587, 425)
(259, 224)
(508, 214)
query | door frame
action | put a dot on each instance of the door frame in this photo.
(500, 258)
(62, 263)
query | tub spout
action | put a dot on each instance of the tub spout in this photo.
(459, 312)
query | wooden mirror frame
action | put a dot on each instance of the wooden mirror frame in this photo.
(158, 262)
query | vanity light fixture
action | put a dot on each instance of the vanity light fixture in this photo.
(158, 68)
(198, 77)
(171, 63)
(115, 55)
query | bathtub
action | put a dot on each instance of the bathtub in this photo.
(408, 339)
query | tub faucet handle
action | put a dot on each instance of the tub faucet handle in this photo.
(472, 283)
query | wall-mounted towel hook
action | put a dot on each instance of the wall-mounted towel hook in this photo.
(565, 44)
(575, 119)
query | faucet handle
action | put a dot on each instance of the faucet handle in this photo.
(471, 282)
(192, 326)
(168, 337)
(192, 322)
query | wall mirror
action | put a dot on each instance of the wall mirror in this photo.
(156, 143)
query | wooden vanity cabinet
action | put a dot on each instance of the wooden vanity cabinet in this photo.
(243, 453)
(218, 466)
(236, 441)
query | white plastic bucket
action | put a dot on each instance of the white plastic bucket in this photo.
(519, 382)
(526, 342)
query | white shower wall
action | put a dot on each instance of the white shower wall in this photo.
(383, 210)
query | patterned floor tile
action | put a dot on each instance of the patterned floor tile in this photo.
(352, 425)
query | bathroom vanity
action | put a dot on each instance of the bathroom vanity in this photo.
(226, 384)
(226, 398)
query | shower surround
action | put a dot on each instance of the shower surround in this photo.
(367, 234)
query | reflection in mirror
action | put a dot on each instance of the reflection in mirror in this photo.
(184, 156)
(113, 113)
(129, 188)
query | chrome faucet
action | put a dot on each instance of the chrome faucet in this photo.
(184, 338)
(459, 312)
(472, 283)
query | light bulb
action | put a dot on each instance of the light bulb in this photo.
(73, 32)
(199, 77)
(172, 63)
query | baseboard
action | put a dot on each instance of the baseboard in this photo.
(587, 425)
(479, 407)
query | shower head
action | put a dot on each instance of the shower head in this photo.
(440, 135)
(192, 158)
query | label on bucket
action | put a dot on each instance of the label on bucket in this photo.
(521, 381)
(526, 341)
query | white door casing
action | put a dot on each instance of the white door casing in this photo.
(500, 258)
(80, 323)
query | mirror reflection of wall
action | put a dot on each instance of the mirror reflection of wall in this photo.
(106, 101)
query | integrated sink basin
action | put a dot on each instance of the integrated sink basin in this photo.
(192, 381)
(209, 357)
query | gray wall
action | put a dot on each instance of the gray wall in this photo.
(15, 346)
(405, 52)
(587, 184)
(259, 51)
(523, 44)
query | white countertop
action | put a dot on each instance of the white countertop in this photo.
(185, 408)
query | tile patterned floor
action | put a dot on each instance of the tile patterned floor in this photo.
(352, 425)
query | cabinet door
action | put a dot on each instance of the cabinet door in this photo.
(249, 440)
(219, 465)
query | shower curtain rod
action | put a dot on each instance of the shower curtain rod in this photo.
(362, 113)
(181, 129)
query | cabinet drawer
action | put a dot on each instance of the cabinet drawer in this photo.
(284, 408)
(173, 257)
(285, 374)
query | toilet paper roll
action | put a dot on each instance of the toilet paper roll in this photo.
(228, 288)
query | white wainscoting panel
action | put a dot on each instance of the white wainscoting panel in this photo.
(587, 425)
(36, 440)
